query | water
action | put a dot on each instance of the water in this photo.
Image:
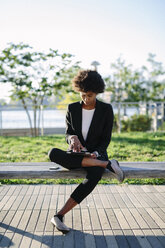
(19, 119)
(51, 118)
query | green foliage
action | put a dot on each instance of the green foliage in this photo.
(153, 181)
(68, 98)
(115, 123)
(137, 123)
(155, 83)
(144, 181)
(41, 181)
(162, 126)
(134, 85)
(64, 78)
(34, 76)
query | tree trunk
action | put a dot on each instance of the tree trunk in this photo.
(155, 117)
(35, 117)
(39, 112)
(28, 115)
(39, 116)
(119, 118)
(162, 115)
(35, 120)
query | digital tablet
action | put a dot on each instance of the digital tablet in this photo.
(84, 153)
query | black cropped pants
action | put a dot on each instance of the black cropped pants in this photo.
(69, 161)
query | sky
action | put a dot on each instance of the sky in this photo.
(100, 30)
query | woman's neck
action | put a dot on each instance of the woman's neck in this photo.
(90, 107)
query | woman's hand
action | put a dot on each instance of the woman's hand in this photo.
(75, 144)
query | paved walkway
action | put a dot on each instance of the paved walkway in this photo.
(113, 216)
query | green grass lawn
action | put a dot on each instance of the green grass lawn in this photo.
(135, 146)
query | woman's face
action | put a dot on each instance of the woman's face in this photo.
(88, 98)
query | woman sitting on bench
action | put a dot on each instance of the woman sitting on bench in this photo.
(88, 127)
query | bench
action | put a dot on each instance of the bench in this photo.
(49, 170)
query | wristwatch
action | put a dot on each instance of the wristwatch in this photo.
(96, 153)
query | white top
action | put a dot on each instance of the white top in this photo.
(87, 116)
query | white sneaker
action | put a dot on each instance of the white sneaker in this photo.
(119, 174)
(59, 225)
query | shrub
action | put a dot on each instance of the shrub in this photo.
(137, 123)
(161, 126)
(115, 123)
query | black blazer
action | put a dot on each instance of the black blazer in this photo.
(99, 134)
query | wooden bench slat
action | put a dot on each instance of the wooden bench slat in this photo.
(28, 170)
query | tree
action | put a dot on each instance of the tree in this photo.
(127, 84)
(156, 85)
(117, 80)
(33, 76)
(155, 80)
(118, 83)
(67, 94)
(2, 102)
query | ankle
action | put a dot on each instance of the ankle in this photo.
(60, 216)
(60, 213)
(109, 167)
